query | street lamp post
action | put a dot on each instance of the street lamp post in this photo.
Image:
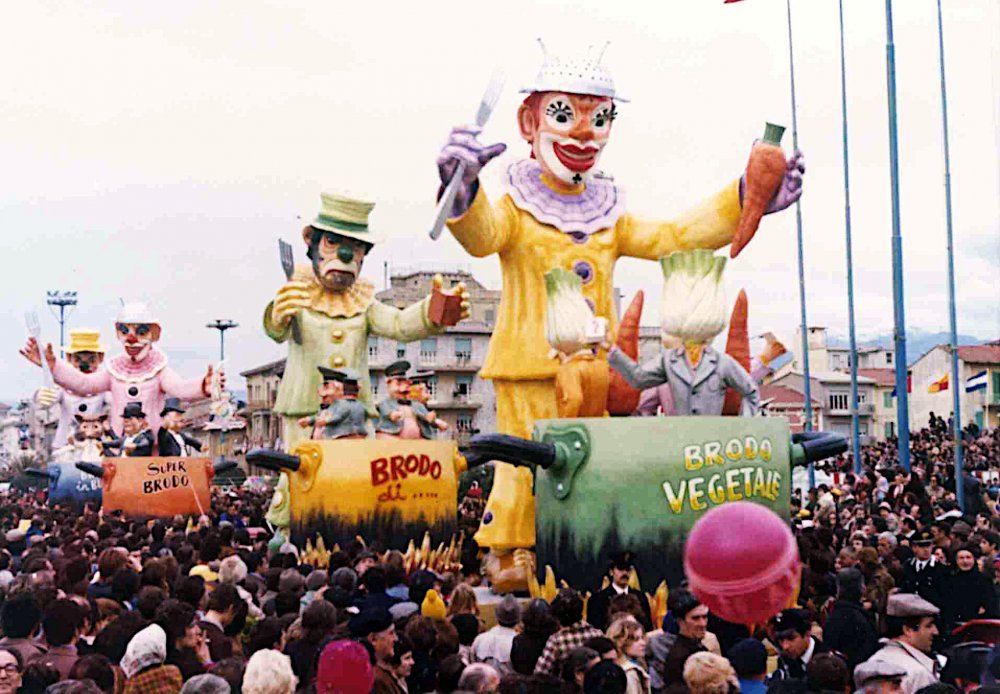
(62, 300)
(222, 325)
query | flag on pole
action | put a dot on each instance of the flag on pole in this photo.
(977, 382)
(909, 384)
(938, 385)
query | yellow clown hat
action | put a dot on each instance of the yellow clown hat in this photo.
(346, 216)
(84, 341)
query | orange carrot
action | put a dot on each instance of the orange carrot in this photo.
(765, 172)
(738, 347)
(623, 398)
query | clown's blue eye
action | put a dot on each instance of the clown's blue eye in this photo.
(123, 329)
(142, 330)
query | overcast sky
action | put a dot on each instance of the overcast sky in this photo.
(156, 151)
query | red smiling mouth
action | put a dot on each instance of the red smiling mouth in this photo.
(578, 159)
(134, 350)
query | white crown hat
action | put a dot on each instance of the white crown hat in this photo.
(135, 312)
(582, 75)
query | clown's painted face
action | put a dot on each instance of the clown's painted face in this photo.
(86, 362)
(567, 133)
(90, 428)
(336, 259)
(137, 338)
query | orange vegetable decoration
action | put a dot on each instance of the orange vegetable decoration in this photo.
(765, 172)
(623, 399)
(738, 347)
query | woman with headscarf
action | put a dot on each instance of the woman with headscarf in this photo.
(144, 667)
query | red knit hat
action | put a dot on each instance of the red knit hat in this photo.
(344, 668)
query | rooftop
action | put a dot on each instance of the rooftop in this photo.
(783, 395)
(980, 354)
(882, 377)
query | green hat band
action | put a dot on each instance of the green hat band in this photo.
(340, 224)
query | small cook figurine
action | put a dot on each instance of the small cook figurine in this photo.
(331, 389)
(693, 311)
(396, 418)
(171, 439)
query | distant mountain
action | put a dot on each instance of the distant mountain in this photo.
(918, 342)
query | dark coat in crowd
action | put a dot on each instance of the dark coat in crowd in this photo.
(850, 630)
(968, 595)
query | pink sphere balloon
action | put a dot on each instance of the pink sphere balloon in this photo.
(741, 560)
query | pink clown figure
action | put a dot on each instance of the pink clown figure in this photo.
(139, 375)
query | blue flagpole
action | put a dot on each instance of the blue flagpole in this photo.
(956, 384)
(855, 425)
(807, 389)
(899, 329)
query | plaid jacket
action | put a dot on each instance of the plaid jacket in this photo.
(561, 643)
(161, 679)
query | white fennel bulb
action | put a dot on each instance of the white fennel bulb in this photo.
(694, 300)
(567, 312)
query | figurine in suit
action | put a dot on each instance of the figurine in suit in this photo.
(331, 389)
(347, 417)
(694, 311)
(420, 395)
(171, 440)
(138, 439)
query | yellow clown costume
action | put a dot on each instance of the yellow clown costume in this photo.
(534, 228)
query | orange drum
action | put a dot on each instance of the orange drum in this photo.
(159, 487)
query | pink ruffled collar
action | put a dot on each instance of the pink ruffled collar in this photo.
(124, 369)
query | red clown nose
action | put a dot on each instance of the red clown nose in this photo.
(741, 560)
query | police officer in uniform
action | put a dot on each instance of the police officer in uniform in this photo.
(922, 574)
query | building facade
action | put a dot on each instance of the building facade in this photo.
(885, 402)
(981, 406)
(460, 398)
(833, 390)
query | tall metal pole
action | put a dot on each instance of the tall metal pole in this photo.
(807, 389)
(855, 425)
(956, 384)
(222, 325)
(899, 330)
(61, 300)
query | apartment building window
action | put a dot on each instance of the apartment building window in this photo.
(432, 387)
(491, 316)
(890, 429)
(400, 350)
(838, 401)
(463, 387)
(375, 389)
(463, 349)
(888, 357)
(464, 423)
(862, 397)
(887, 400)
(372, 347)
(428, 350)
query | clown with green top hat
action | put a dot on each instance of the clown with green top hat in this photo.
(336, 310)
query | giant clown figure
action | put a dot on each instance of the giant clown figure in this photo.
(556, 213)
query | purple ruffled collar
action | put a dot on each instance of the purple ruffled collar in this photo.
(598, 207)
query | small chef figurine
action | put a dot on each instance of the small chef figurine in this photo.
(694, 311)
(85, 354)
(139, 375)
(420, 394)
(87, 443)
(330, 391)
(171, 440)
(395, 413)
(138, 439)
(335, 310)
(346, 418)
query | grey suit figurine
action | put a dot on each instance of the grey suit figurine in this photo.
(347, 417)
(699, 391)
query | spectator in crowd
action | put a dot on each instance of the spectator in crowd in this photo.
(222, 609)
(537, 625)
(911, 630)
(828, 672)
(574, 631)
(692, 623)
(144, 666)
(922, 574)
(269, 672)
(630, 643)
(850, 628)
(19, 620)
(575, 667)
(62, 625)
(11, 670)
(749, 659)
(391, 674)
(879, 677)
(494, 645)
(708, 673)
(187, 648)
(797, 646)
(968, 592)
(619, 571)
(479, 678)
(98, 669)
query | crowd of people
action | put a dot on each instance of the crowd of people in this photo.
(891, 568)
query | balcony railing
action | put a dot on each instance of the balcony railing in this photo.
(429, 358)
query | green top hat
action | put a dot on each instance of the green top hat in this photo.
(345, 216)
